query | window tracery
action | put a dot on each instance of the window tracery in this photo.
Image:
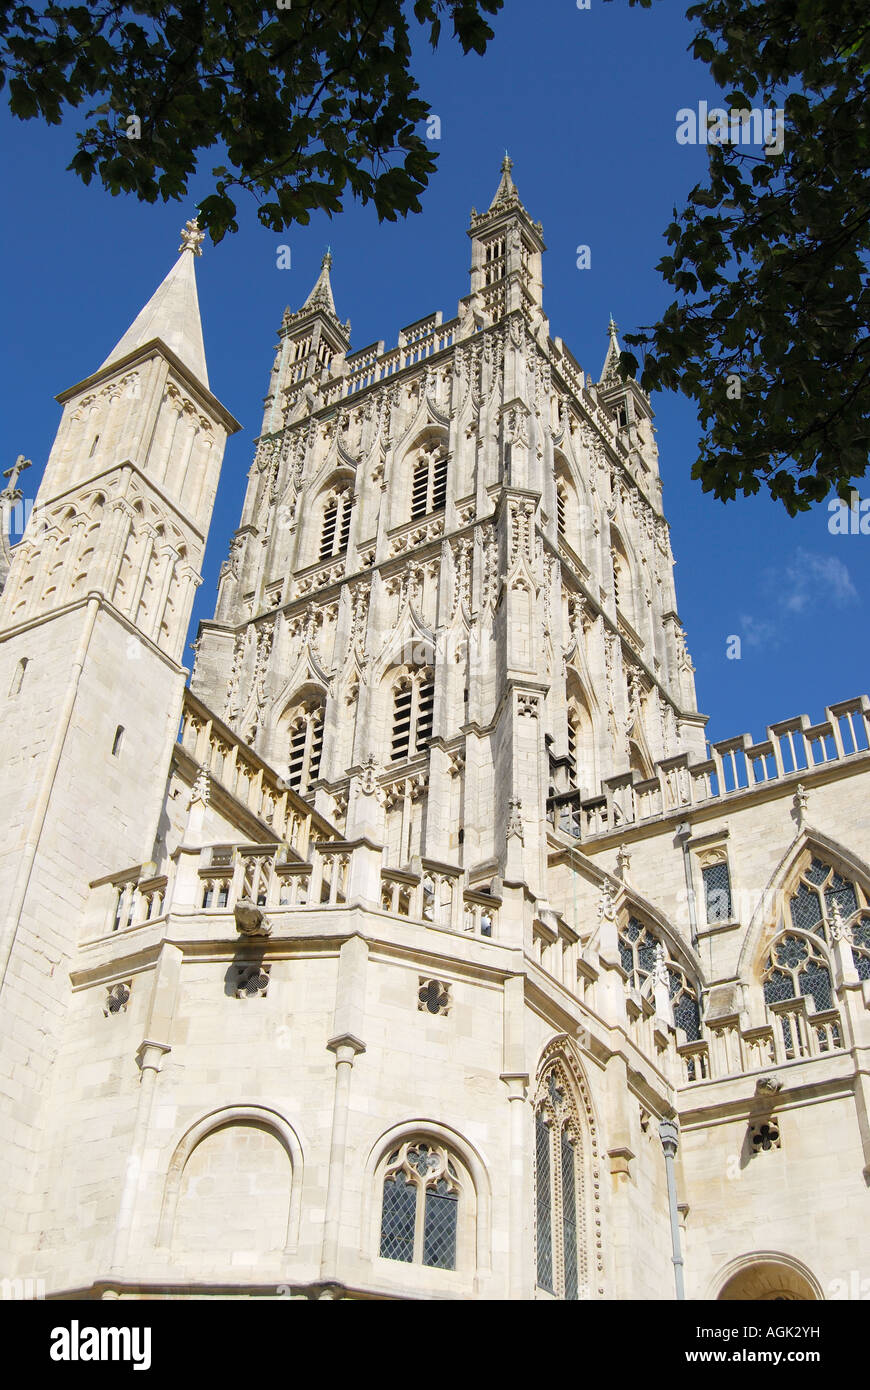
(827, 904)
(423, 1189)
(560, 1198)
(637, 953)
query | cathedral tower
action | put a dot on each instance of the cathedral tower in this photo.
(423, 948)
(93, 621)
(453, 570)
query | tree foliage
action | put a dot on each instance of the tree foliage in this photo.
(303, 101)
(769, 258)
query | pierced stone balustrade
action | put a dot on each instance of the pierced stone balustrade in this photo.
(735, 765)
(129, 899)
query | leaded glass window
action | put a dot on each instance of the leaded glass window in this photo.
(419, 1216)
(796, 967)
(543, 1199)
(825, 903)
(637, 954)
(560, 1243)
(717, 891)
(822, 896)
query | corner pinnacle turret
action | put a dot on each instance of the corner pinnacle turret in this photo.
(610, 375)
(320, 302)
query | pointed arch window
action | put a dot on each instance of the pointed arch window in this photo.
(573, 767)
(637, 954)
(619, 577)
(560, 1196)
(622, 576)
(413, 707)
(795, 968)
(429, 482)
(335, 529)
(561, 508)
(581, 746)
(824, 907)
(422, 1194)
(306, 746)
(825, 903)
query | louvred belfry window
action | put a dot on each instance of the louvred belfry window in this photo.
(573, 768)
(429, 482)
(306, 747)
(413, 705)
(561, 508)
(335, 530)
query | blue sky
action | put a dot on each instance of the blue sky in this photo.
(586, 103)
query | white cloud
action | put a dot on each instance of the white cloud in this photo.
(814, 578)
(808, 579)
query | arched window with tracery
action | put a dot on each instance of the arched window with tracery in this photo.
(637, 953)
(562, 1260)
(306, 745)
(797, 968)
(823, 907)
(827, 903)
(335, 528)
(424, 1189)
(429, 480)
(413, 706)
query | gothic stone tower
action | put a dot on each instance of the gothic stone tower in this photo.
(93, 621)
(453, 572)
(439, 957)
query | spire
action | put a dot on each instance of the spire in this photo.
(506, 194)
(172, 313)
(506, 201)
(320, 301)
(610, 371)
(321, 294)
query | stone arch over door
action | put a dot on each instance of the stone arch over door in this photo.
(766, 1276)
(242, 1123)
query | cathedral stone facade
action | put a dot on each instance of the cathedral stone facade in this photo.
(421, 946)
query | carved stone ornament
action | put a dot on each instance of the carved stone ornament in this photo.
(251, 920)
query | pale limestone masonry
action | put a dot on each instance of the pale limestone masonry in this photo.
(370, 965)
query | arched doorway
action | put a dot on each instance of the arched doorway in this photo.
(768, 1278)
